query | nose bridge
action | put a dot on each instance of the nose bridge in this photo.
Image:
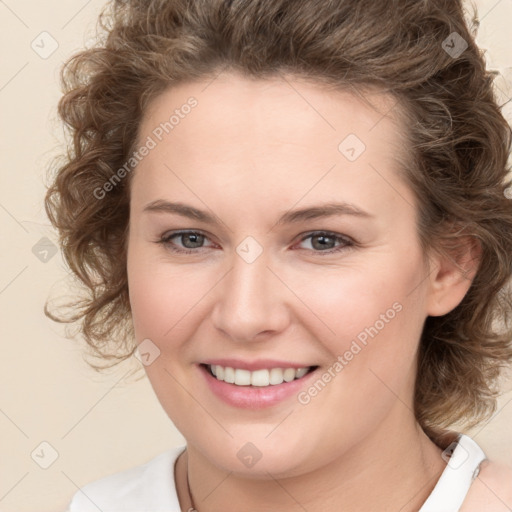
(250, 300)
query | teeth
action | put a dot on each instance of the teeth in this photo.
(301, 372)
(276, 376)
(229, 375)
(260, 378)
(242, 377)
(289, 374)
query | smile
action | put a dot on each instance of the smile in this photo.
(258, 387)
(260, 378)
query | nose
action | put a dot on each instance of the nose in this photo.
(251, 301)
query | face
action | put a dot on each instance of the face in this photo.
(252, 274)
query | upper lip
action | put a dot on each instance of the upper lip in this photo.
(259, 364)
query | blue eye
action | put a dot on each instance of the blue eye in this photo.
(192, 241)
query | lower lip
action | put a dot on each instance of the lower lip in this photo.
(254, 397)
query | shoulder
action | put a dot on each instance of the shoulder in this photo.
(148, 486)
(491, 491)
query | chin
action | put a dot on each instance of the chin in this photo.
(259, 457)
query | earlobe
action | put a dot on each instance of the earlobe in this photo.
(451, 273)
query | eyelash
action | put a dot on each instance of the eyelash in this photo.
(348, 243)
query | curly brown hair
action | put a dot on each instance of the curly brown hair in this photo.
(414, 50)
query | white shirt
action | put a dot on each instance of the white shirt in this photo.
(151, 487)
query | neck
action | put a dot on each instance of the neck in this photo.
(393, 469)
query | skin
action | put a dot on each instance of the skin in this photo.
(247, 153)
(491, 491)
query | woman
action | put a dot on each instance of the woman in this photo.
(298, 213)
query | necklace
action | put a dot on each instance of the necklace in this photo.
(193, 509)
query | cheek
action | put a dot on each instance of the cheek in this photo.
(158, 301)
(371, 322)
(365, 303)
(166, 300)
(377, 323)
(164, 303)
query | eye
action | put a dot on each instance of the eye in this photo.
(191, 241)
(324, 242)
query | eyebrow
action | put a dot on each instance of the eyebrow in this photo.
(293, 216)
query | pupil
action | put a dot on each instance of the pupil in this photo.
(196, 239)
(321, 245)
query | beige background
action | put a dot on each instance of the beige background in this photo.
(97, 424)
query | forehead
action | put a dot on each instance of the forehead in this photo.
(285, 134)
(285, 105)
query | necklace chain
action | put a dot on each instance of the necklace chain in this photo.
(194, 509)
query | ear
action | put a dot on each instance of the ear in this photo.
(452, 271)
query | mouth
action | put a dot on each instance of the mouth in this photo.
(257, 384)
(265, 377)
